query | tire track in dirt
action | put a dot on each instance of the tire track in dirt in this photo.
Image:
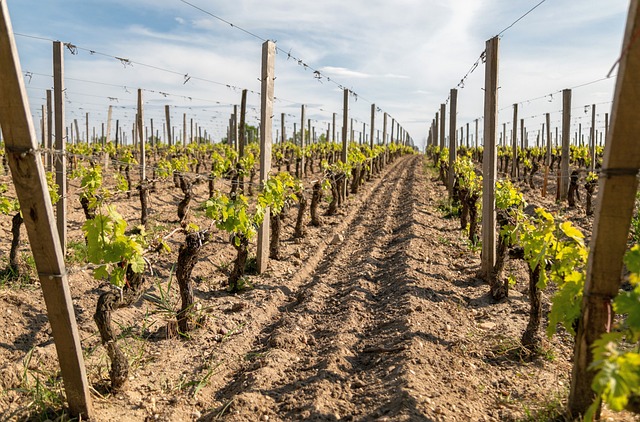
(336, 351)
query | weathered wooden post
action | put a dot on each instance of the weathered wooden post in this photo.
(618, 185)
(489, 164)
(61, 157)
(514, 143)
(266, 122)
(592, 140)
(453, 104)
(140, 126)
(30, 182)
(49, 144)
(566, 127)
(242, 127)
(443, 112)
(345, 126)
(167, 115)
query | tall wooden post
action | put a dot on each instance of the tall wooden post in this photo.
(618, 185)
(384, 136)
(153, 139)
(31, 188)
(167, 116)
(345, 125)
(373, 125)
(514, 143)
(266, 122)
(489, 163)
(467, 137)
(61, 159)
(302, 120)
(242, 127)
(436, 131)
(592, 141)
(333, 128)
(352, 137)
(235, 128)
(283, 135)
(140, 126)
(475, 138)
(184, 129)
(453, 105)
(443, 111)
(566, 127)
(50, 153)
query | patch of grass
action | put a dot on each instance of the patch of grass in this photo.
(45, 392)
(76, 252)
(251, 266)
(22, 279)
(449, 209)
(444, 241)
(551, 409)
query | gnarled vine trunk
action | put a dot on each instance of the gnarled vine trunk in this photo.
(237, 272)
(187, 258)
(107, 303)
(298, 232)
(531, 338)
(316, 197)
(274, 240)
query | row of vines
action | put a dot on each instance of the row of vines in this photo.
(555, 252)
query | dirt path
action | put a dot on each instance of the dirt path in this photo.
(333, 351)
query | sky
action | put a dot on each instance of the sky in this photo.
(403, 56)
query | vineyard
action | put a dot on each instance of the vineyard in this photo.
(344, 275)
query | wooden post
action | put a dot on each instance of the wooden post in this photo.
(117, 133)
(283, 135)
(617, 190)
(436, 131)
(489, 163)
(566, 139)
(333, 128)
(467, 140)
(87, 126)
(373, 125)
(302, 120)
(108, 135)
(184, 129)
(140, 126)
(384, 136)
(153, 139)
(352, 138)
(514, 143)
(345, 126)
(592, 141)
(547, 160)
(443, 111)
(31, 188)
(242, 126)
(475, 139)
(50, 153)
(235, 127)
(266, 121)
(61, 159)
(393, 126)
(167, 116)
(453, 104)
(606, 127)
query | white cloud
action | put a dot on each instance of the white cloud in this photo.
(404, 55)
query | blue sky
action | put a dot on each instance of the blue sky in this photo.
(404, 55)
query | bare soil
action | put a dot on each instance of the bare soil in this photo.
(375, 316)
